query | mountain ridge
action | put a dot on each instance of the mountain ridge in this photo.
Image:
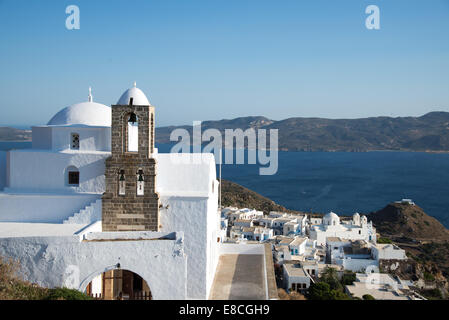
(429, 132)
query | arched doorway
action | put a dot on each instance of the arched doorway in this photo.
(119, 284)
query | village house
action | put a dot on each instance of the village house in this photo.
(387, 251)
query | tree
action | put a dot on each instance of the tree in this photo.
(368, 297)
(348, 278)
(319, 291)
(330, 277)
(323, 291)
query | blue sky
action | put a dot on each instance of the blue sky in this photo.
(216, 59)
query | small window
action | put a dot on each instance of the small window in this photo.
(74, 178)
(75, 141)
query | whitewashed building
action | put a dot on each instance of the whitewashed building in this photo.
(51, 210)
(388, 251)
(357, 229)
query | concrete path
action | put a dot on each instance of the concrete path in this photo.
(239, 277)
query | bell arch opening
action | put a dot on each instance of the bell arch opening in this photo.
(118, 284)
(132, 132)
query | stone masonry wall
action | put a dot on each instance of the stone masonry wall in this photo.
(131, 212)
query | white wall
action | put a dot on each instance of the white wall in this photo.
(238, 248)
(187, 189)
(45, 171)
(357, 265)
(41, 137)
(213, 232)
(186, 177)
(189, 215)
(45, 208)
(58, 138)
(388, 252)
(67, 261)
(2, 169)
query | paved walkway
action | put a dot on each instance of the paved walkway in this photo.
(239, 277)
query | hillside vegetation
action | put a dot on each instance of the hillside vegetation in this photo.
(12, 287)
(399, 220)
(235, 195)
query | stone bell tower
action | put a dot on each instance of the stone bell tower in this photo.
(130, 202)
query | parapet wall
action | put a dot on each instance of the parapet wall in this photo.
(66, 261)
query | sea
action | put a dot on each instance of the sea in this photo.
(343, 182)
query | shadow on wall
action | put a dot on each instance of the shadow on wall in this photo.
(2, 170)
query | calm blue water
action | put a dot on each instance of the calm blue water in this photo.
(345, 182)
(7, 145)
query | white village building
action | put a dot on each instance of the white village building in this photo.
(73, 220)
(357, 229)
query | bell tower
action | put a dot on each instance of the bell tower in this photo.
(130, 202)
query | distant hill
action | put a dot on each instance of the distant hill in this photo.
(12, 134)
(399, 220)
(235, 195)
(424, 238)
(429, 132)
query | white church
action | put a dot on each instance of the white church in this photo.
(358, 228)
(93, 206)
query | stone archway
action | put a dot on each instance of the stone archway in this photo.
(117, 284)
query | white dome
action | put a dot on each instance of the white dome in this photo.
(139, 98)
(331, 215)
(356, 214)
(331, 219)
(84, 113)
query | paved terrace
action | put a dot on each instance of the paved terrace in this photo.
(246, 275)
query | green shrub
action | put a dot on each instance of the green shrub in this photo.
(323, 291)
(348, 278)
(368, 297)
(432, 294)
(330, 277)
(428, 276)
(66, 294)
(384, 240)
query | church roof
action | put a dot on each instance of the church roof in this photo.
(331, 215)
(139, 98)
(87, 113)
(84, 113)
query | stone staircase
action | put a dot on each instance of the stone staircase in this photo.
(89, 214)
